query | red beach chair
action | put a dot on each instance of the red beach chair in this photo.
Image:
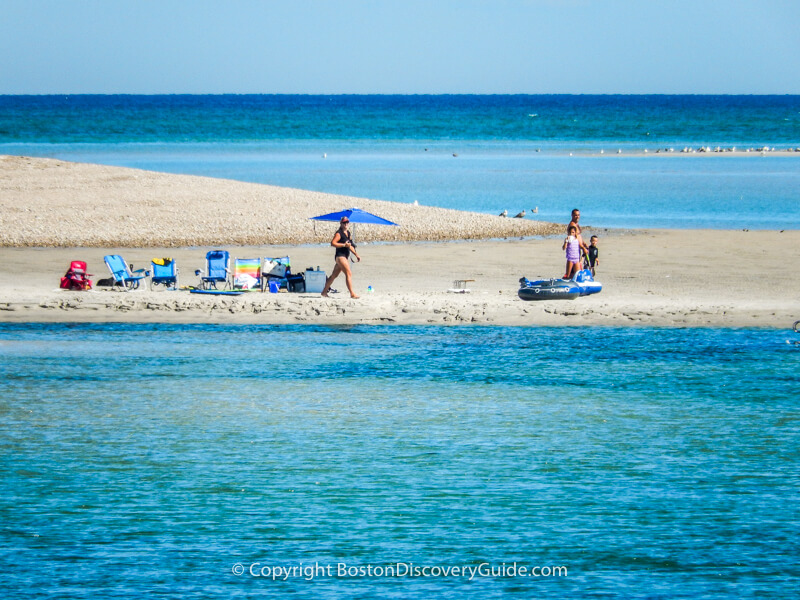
(77, 278)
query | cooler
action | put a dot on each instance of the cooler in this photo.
(315, 281)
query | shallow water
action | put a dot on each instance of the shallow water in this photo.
(652, 463)
(715, 192)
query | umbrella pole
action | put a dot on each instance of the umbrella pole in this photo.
(353, 237)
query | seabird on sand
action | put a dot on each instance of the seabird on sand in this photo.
(519, 215)
(504, 213)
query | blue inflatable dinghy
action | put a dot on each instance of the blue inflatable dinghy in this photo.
(559, 289)
(548, 289)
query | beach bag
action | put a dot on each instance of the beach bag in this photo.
(76, 277)
(296, 283)
(275, 267)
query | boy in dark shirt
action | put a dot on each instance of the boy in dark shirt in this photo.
(593, 253)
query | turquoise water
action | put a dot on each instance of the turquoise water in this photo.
(151, 460)
(513, 151)
(143, 460)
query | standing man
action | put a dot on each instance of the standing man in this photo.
(576, 216)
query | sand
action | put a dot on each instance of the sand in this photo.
(46, 202)
(673, 278)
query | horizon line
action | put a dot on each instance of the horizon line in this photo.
(409, 94)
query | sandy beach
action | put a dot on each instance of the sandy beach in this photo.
(54, 212)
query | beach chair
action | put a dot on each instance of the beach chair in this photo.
(165, 272)
(274, 269)
(246, 274)
(76, 277)
(217, 269)
(123, 275)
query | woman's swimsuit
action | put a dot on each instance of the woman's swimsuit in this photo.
(344, 236)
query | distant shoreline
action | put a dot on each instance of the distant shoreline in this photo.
(686, 151)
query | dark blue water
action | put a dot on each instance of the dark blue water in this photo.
(152, 460)
(513, 152)
(654, 119)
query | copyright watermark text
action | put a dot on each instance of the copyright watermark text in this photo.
(316, 570)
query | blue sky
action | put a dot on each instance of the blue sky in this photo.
(400, 46)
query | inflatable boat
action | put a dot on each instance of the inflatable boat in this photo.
(548, 289)
(559, 289)
(588, 284)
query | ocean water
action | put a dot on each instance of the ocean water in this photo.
(158, 460)
(513, 152)
(142, 460)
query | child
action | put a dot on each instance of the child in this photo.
(573, 244)
(592, 253)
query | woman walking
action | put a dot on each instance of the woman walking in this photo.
(344, 246)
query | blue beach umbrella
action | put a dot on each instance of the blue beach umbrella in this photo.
(355, 215)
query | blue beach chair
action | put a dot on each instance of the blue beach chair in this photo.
(122, 274)
(165, 272)
(217, 269)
